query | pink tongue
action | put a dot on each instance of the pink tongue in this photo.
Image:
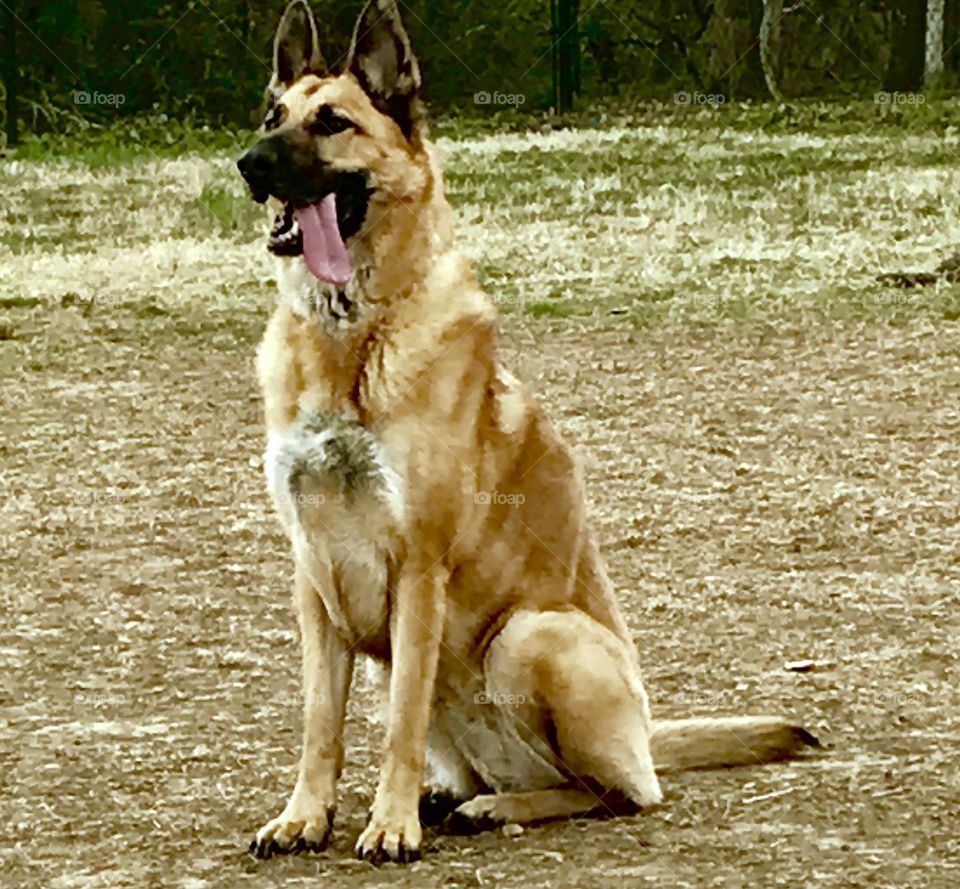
(323, 248)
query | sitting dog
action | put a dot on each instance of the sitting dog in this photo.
(437, 519)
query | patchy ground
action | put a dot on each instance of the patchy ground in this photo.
(770, 487)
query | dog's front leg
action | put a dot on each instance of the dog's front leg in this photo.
(393, 831)
(307, 820)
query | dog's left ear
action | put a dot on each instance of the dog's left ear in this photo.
(383, 62)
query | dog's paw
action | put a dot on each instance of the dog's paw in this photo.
(475, 815)
(436, 806)
(390, 837)
(297, 829)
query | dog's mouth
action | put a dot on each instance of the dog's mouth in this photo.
(314, 232)
(319, 230)
(285, 236)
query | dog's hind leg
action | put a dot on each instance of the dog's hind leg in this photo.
(488, 810)
(575, 730)
(570, 694)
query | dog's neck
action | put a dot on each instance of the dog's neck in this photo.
(386, 267)
(336, 310)
(346, 312)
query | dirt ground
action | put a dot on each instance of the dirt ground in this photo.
(765, 494)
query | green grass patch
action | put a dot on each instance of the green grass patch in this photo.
(222, 209)
(129, 141)
(19, 302)
(689, 216)
(554, 309)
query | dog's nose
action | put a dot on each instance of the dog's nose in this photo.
(258, 159)
(258, 163)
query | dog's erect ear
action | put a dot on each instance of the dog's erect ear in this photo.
(296, 48)
(382, 60)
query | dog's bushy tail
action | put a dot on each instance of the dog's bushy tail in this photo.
(716, 743)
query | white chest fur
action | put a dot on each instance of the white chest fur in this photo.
(336, 309)
(341, 504)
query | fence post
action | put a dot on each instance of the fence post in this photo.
(934, 55)
(10, 74)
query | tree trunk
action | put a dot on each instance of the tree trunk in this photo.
(770, 45)
(908, 46)
(735, 65)
(934, 64)
(11, 75)
(568, 48)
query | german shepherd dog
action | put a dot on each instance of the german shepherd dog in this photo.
(436, 517)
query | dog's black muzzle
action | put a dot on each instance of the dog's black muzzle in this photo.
(285, 167)
(274, 166)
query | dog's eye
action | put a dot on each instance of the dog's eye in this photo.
(329, 123)
(274, 117)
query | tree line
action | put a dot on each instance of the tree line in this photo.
(208, 58)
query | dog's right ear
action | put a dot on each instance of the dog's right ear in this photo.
(296, 48)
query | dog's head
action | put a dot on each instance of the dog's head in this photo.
(338, 149)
